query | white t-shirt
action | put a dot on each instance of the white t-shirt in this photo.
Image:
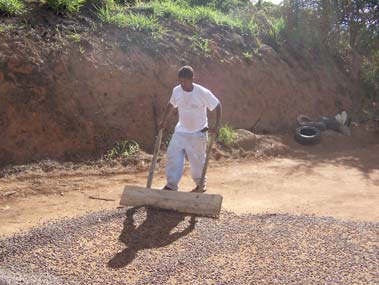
(192, 107)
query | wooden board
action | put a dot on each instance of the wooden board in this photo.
(184, 202)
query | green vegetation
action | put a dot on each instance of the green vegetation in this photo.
(222, 5)
(11, 7)
(113, 13)
(348, 30)
(184, 12)
(5, 27)
(75, 37)
(81, 49)
(61, 6)
(123, 149)
(370, 73)
(277, 26)
(199, 43)
(226, 135)
(248, 54)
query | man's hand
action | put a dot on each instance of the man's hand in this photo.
(166, 116)
(162, 124)
(218, 120)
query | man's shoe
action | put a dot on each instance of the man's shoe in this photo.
(196, 190)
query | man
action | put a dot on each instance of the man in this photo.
(190, 137)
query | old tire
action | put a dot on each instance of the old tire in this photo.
(319, 125)
(307, 135)
(331, 123)
(302, 119)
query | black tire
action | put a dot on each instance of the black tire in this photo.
(331, 123)
(302, 119)
(307, 135)
(319, 125)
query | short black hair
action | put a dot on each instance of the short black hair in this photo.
(185, 72)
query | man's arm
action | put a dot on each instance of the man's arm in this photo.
(169, 110)
(218, 110)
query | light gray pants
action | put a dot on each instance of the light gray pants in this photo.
(193, 145)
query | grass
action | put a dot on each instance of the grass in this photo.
(75, 37)
(113, 13)
(81, 49)
(193, 15)
(277, 25)
(123, 149)
(6, 27)
(247, 54)
(200, 44)
(61, 6)
(226, 135)
(11, 7)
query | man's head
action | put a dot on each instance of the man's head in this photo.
(185, 76)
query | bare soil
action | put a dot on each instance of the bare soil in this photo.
(339, 178)
(70, 101)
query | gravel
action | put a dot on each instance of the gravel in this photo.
(150, 246)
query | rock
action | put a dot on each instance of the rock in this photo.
(1, 76)
(245, 140)
(9, 193)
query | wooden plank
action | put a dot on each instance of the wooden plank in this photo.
(184, 202)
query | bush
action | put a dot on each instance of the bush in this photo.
(124, 149)
(226, 135)
(61, 6)
(11, 7)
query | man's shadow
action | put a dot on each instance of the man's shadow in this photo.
(153, 232)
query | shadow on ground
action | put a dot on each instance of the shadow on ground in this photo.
(360, 151)
(160, 228)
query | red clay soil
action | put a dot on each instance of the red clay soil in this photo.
(67, 100)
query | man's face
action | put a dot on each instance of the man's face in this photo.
(186, 83)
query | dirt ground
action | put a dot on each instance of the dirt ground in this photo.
(339, 178)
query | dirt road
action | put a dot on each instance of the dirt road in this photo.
(327, 180)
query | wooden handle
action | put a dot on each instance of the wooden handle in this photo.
(155, 157)
(202, 179)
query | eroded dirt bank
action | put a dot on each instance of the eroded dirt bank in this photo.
(73, 100)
